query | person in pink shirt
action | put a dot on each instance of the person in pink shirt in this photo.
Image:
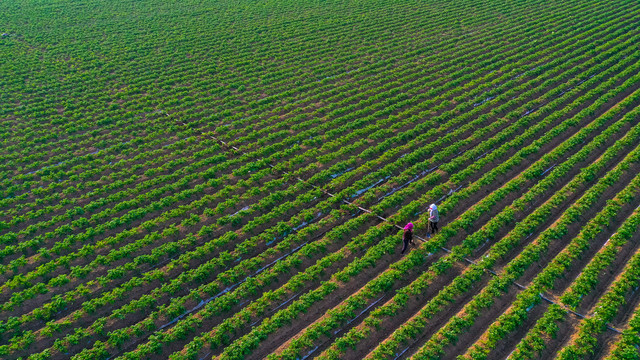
(407, 237)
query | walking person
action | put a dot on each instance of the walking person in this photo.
(407, 237)
(434, 217)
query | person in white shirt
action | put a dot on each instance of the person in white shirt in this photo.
(434, 217)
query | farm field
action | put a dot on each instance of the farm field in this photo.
(229, 179)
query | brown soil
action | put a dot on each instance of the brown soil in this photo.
(566, 329)
(413, 306)
(564, 282)
(306, 262)
(134, 318)
(282, 337)
(481, 323)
